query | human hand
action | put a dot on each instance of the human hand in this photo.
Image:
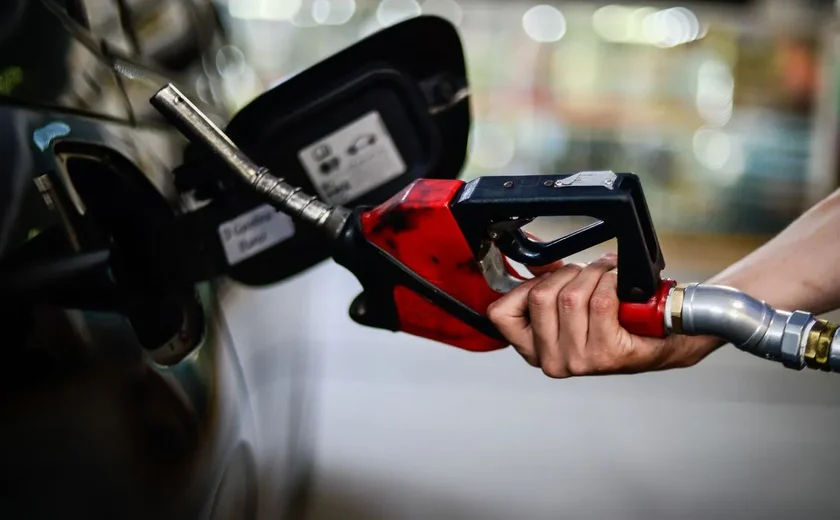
(565, 321)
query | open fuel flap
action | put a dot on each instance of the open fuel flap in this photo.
(353, 130)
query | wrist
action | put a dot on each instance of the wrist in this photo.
(690, 350)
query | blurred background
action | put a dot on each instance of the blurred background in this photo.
(719, 106)
(728, 111)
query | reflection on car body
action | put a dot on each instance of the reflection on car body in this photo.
(94, 424)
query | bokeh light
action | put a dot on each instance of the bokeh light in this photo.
(646, 25)
(391, 12)
(721, 153)
(333, 12)
(544, 24)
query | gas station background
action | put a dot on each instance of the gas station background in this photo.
(728, 113)
(725, 111)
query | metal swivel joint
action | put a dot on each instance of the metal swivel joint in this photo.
(796, 339)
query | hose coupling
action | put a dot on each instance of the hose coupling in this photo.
(822, 347)
(795, 339)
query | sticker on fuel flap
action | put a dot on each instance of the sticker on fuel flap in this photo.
(253, 232)
(353, 160)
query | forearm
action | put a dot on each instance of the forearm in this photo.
(799, 269)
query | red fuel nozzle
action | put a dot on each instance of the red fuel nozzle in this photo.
(647, 318)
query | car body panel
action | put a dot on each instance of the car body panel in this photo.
(91, 425)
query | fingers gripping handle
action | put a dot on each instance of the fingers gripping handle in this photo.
(648, 319)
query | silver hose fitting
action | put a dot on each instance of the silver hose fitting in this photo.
(191, 122)
(796, 339)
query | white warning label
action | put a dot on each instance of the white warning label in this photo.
(254, 232)
(353, 160)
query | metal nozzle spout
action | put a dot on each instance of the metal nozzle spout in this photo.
(191, 122)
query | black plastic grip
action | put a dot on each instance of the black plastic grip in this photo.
(495, 208)
(518, 247)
